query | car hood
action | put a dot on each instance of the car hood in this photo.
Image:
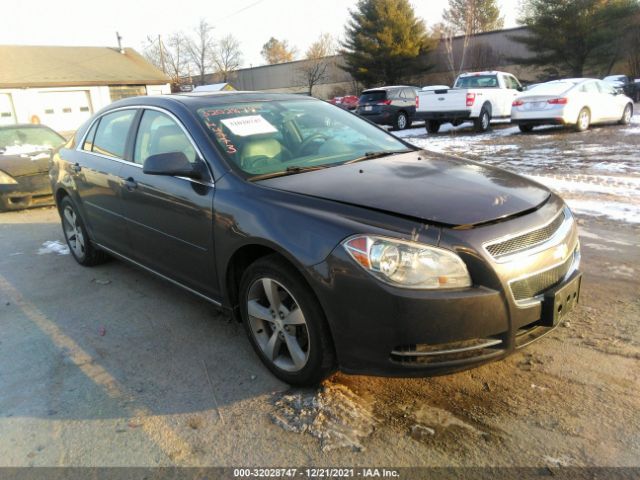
(25, 164)
(424, 185)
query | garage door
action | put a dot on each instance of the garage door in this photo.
(65, 111)
(7, 113)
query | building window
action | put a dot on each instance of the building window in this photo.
(118, 92)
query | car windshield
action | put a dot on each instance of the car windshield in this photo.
(290, 136)
(477, 81)
(551, 88)
(28, 139)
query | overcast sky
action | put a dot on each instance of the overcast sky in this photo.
(94, 23)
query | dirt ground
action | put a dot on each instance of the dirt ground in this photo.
(110, 366)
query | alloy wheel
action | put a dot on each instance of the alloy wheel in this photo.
(402, 121)
(73, 232)
(278, 325)
(584, 120)
(627, 114)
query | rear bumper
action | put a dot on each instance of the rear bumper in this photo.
(449, 116)
(539, 121)
(30, 191)
(381, 118)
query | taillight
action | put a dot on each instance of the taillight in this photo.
(558, 101)
(417, 101)
(517, 103)
(471, 98)
(385, 102)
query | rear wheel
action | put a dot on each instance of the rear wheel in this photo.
(401, 122)
(481, 124)
(285, 323)
(525, 128)
(433, 126)
(584, 120)
(626, 115)
(77, 237)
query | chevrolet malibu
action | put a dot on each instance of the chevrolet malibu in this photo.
(336, 244)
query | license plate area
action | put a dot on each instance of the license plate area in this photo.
(559, 302)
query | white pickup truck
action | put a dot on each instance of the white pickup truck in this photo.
(477, 96)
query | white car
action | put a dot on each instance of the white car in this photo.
(577, 101)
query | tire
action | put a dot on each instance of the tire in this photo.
(401, 121)
(78, 240)
(627, 113)
(483, 122)
(525, 128)
(433, 126)
(270, 334)
(583, 121)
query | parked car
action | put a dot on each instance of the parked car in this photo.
(394, 106)
(478, 96)
(348, 102)
(579, 102)
(336, 244)
(628, 86)
(25, 151)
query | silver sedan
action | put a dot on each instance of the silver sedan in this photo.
(579, 102)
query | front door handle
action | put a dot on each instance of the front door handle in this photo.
(76, 167)
(130, 184)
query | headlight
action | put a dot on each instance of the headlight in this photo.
(408, 264)
(6, 179)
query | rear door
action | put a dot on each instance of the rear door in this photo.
(612, 107)
(169, 219)
(95, 168)
(595, 100)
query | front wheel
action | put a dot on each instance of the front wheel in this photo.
(433, 126)
(285, 323)
(481, 124)
(626, 115)
(75, 233)
(584, 120)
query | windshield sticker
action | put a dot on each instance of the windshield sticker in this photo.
(249, 125)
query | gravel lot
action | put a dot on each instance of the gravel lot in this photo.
(112, 367)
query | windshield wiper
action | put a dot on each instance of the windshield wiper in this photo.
(372, 155)
(292, 170)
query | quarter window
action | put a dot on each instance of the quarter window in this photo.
(158, 133)
(111, 135)
(88, 141)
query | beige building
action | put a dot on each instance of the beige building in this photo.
(63, 86)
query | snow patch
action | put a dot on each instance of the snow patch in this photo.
(624, 212)
(333, 414)
(53, 246)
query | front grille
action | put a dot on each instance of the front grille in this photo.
(526, 240)
(448, 353)
(536, 284)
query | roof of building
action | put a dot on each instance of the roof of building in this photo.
(45, 66)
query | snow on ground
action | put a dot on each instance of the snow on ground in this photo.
(53, 246)
(597, 172)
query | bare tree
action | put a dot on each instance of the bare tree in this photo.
(170, 56)
(227, 56)
(318, 61)
(200, 48)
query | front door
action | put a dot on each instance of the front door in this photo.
(169, 219)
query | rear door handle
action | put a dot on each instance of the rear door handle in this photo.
(130, 184)
(76, 167)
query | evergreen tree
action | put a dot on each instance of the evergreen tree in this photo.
(468, 17)
(572, 36)
(384, 42)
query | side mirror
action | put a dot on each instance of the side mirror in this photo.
(174, 164)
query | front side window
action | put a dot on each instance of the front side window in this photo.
(111, 136)
(158, 133)
(606, 88)
(268, 137)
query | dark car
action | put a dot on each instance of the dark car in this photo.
(25, 151)
(394, 106)
(335, 243)
(627, 86)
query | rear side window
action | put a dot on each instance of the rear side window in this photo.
(159, 133)
(88, 140)
(374, 96)
(590, 87)
(111, 135)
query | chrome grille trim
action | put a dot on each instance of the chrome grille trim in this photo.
(527, 242)
(414, 352)
(527, 288)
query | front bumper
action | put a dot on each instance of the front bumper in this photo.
(30, 191)
(384, 330)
